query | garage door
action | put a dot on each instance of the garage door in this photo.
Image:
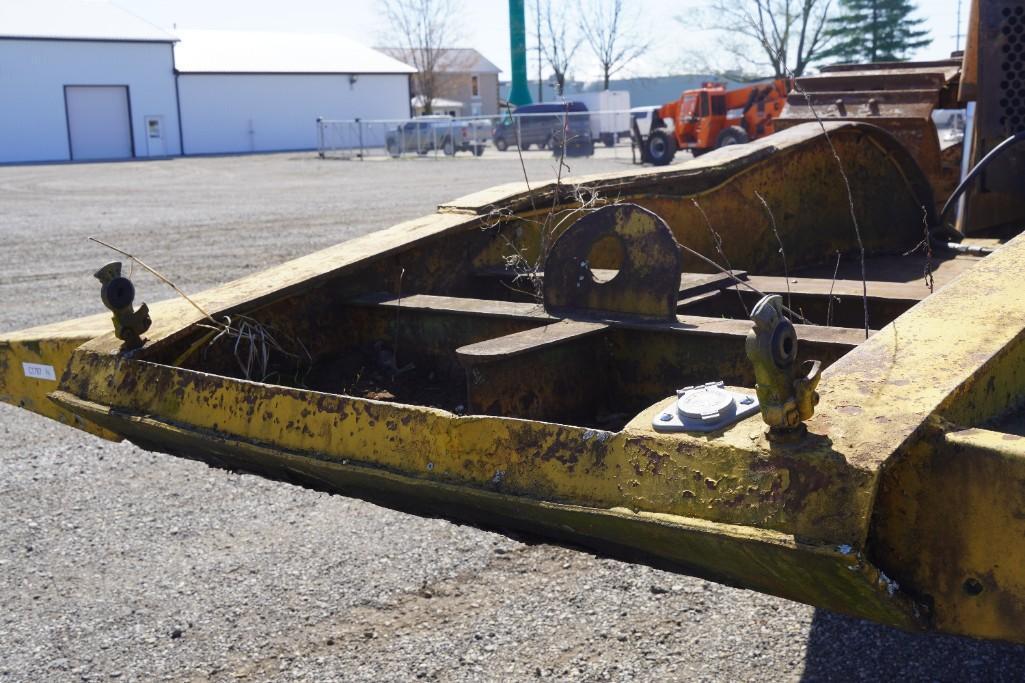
(99, 125)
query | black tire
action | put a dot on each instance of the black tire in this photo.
(448, 147)
(525, 146)
(394, 150)
(547, 144)
(661, 146)
(608, 139)
(478, 150)
(734, 135)
(501, 145)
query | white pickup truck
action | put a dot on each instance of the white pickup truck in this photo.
(429, 133)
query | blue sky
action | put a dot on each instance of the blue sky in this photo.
(484, 25)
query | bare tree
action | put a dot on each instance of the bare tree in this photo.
(421, 30)
(559, 45)
(789, 34)
(612, 37)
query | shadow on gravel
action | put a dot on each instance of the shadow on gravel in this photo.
(844, 649)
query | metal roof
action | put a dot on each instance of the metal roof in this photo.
(75, 20)
(418, 102)
(266, 52)
(450, 59)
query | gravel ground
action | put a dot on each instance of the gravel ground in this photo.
(116, 563)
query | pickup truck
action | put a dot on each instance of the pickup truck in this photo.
(429, 133)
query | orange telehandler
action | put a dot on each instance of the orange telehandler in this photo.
(710, 117)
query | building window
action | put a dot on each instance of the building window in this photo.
(474, 86)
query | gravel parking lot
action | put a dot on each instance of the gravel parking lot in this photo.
(116, 563)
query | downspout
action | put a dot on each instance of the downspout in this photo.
(178, 104)
(409, 99)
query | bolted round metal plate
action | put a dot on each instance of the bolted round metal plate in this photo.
(707, 403)
(704, 408)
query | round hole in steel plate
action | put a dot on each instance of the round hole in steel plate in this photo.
(605, 258)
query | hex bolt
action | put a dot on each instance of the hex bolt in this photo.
(873, 106)
(666, 417)
(841, 108)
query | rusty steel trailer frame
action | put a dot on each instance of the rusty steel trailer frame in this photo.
(897, 96)
(899, 505)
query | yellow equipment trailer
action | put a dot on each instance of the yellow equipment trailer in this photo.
(513, 361)
(751, 367)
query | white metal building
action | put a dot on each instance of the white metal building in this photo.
(84, 80)
(259, 92)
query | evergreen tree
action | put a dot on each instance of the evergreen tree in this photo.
(875, 31)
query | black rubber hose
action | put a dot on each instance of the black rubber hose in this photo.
(976, 170)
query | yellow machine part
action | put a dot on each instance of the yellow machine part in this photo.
(856, 518)
(892, 508)
(33, 361)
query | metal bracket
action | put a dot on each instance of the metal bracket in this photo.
(646, 281)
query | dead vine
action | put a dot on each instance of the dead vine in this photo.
(847, 186)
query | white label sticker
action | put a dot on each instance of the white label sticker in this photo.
(39, 371)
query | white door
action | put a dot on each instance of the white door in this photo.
(155, 146)
(99, 126)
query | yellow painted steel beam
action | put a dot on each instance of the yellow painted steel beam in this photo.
(33, 361)
(735, 478)
(836, 577)
(950, 521)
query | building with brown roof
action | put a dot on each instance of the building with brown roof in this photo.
(464, 76)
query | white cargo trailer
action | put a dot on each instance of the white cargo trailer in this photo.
(610, 113)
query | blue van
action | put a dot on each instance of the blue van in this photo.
(547, 126)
